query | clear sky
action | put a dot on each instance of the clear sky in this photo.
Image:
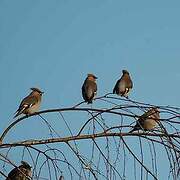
(54, 44)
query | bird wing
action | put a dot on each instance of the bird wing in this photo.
(150, 113)
(84, 90)
(140, 122)
(116, 86)
(145, 120)
(26, 103)
(89, 89)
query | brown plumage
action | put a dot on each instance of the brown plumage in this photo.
(89, 88)
(147, 121)
(31, 103)
(123, 85)
(23, 172)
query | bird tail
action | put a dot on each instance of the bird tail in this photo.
(17, 113)
(89, 102)
(135, 128)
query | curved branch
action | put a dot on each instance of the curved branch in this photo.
(61, 110)
(84, 136)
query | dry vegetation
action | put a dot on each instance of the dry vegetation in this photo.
(98, 146)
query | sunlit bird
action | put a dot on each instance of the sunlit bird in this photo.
(123, 85)
(147, 121)
(31, 103)
(23, 172)
(89, 88)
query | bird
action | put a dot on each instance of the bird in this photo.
(123, 85)
(23, 172)
(89, 88)
(31, 103)
(147, 121)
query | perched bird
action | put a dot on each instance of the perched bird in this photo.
(147, 121)
(89, 88)
(31, 103)
(123, 85)
(23, 172)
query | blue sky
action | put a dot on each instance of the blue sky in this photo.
(54, 44)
